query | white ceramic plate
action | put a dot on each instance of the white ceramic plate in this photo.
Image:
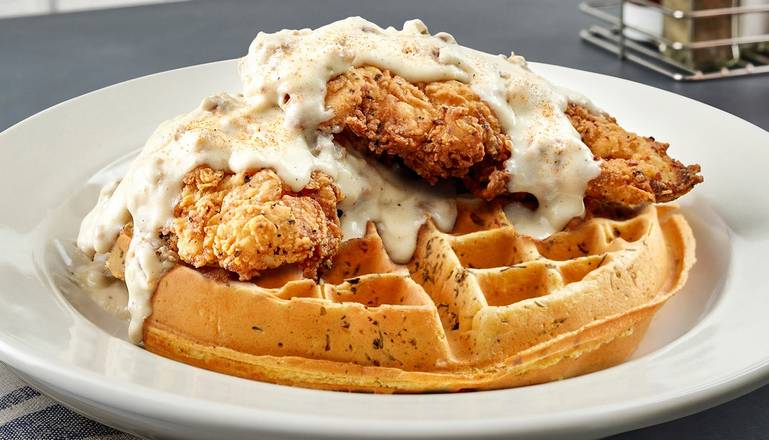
(706, 346)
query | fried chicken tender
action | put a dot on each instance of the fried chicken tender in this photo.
(443, 129)
(635, 170)
(439, 129)
(251, 222)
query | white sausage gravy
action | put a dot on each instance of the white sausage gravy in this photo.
(273, 124)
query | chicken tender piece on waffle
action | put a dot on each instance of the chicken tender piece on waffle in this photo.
(442, 129)
(636, 170)
(249, 223)
(439, 129)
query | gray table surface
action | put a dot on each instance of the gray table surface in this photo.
(45, 60)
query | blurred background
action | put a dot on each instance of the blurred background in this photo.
(16, 8)
(716, 51)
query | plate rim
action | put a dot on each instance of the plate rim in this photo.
(637, 413)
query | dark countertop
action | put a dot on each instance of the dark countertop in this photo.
(45, 60)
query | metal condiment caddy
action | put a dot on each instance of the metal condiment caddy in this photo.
(682, 51)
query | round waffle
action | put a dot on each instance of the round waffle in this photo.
(481, 307)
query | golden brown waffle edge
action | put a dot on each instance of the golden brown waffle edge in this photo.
(479, 308)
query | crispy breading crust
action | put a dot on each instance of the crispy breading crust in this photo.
(636, 170)
(248, 223)
(440, 129)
